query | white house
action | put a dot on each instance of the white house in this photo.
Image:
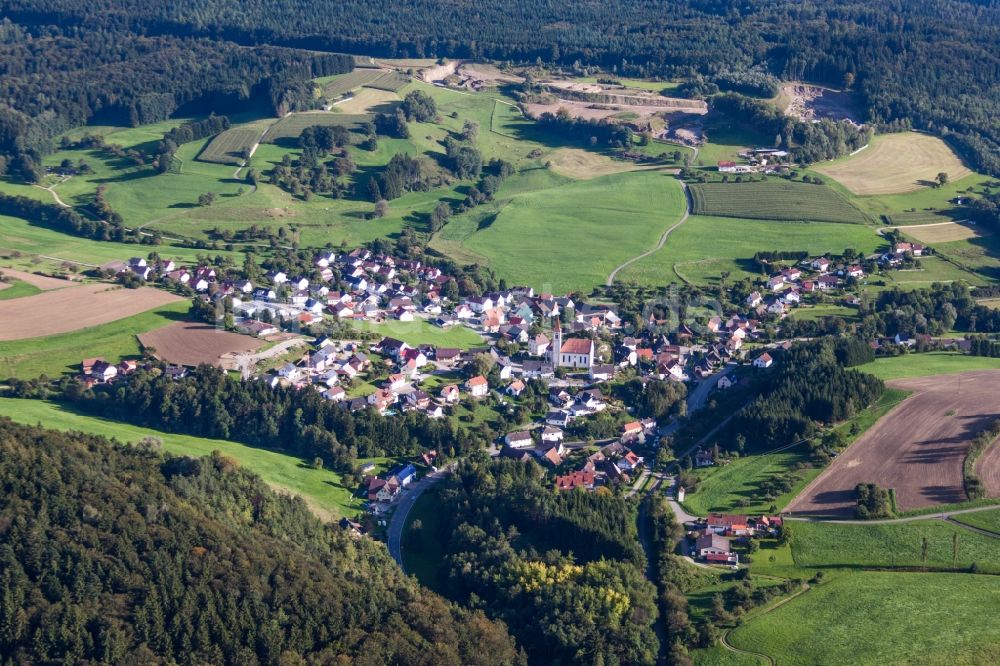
(519, 440)
(763, 361)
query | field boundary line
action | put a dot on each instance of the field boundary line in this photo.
(972, 528)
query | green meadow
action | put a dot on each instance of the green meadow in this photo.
(927, 364)
(22, 244)
(571, 236)
(882, 618)
(984, 520)
(322, 489)
(774, 199)
(704, 247)
(892, 545)
(54, 355)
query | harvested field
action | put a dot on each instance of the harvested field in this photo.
(370, 100)
(583, 164)
(43, 282)
(192, 343)
(895, 163)
(773, 200)
(73, 308)
(944, 232)
(291, 126)
(917, 449)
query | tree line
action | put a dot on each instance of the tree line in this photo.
(208, 403)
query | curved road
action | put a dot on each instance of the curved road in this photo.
(663, 238)
(402, 510)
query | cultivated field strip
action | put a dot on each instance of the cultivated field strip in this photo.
(773, 200)
(231, 146)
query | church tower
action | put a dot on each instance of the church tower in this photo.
(556, 344)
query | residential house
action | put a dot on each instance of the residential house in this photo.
(450, 394)
(538, 345)
(729, 524)
(478, 387)
(519, 440)
(515, 388)
(552, 434)
(763, 361)
(573, 480)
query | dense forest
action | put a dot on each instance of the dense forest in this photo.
(810, 384)
(117, 555)
(53, 78)
(932, 62)
(562, 570)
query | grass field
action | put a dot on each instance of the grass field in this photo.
(984, 520)
(17, 289)
(568, 237)
(54, 355)
(892, 545)
(419, 332)
(773, 199)
(703, 247)
(18, 236)
(369, 100)
(725, 488)
(883, 618)
(230, 146)
(720, 656)
(291, 126)
(424, 550)
(927, 364)
(893, 163)
(322, 489)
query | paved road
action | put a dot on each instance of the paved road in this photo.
(697, 399)
(402, 510)
(663, 238)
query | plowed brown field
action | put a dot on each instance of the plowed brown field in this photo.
(918, 448)
(188, 343)
(75, 307)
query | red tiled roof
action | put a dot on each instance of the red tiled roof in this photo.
(576, 346)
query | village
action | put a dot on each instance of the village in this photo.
(553, 360)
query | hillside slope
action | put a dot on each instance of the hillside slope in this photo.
(112, 554)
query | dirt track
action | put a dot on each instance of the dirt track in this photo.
(75, 307)
(917, 449)
(189, 343)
